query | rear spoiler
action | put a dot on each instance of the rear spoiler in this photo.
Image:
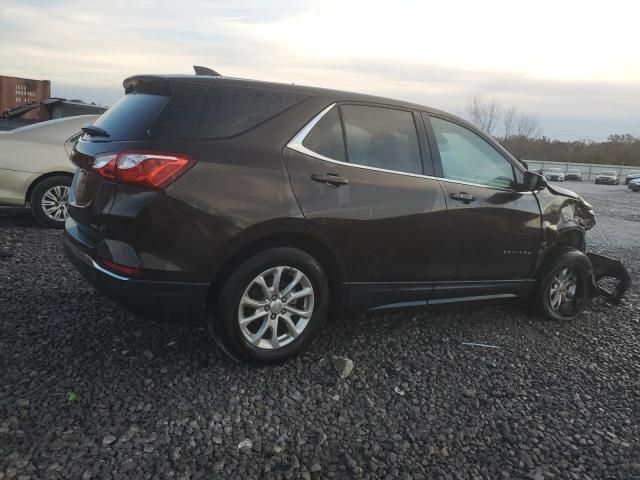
(158, 84)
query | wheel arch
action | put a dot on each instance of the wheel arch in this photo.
(307, 242)
(44, 176)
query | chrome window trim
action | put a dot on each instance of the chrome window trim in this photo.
(296, 144)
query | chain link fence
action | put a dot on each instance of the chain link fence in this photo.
(588, 170)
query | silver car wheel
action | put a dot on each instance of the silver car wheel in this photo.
(54, 203)
(276, 307)
(563, 289)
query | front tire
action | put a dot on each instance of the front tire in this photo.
(563, 289)
(49, 200)
(272, 306)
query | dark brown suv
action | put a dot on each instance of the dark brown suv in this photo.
(262, 208)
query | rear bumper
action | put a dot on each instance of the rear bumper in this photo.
(182, 302)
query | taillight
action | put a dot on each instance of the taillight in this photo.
(143, 169)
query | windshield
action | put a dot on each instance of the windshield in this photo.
(608, 173)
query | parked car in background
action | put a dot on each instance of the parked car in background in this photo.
(634, 185)
(574, 175)
(631, 176)
(35, 167)
(607, 177)
(261, 209)
(554, 175)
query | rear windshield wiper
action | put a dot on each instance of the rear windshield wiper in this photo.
(95, 131)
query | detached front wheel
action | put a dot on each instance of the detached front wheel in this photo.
(563, 291)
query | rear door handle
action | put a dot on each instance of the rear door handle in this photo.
(463, 197)
(330, 179)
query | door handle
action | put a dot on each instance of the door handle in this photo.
(330, 179)
(463, 197)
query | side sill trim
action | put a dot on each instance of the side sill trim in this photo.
(469, 299)
(437, 301)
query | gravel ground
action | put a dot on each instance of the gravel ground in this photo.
(88, 390)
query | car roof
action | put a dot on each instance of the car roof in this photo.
(331, 94)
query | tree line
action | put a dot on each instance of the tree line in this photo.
(521, 134)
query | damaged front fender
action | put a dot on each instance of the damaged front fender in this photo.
(566, 217)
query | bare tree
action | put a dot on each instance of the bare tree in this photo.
(527, 129)
(519, 128)
(484, 115)
(509, 120)
(528, 125)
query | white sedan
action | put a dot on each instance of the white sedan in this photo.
(35, 168)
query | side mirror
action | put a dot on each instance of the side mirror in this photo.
(533, 181)
(526, 165)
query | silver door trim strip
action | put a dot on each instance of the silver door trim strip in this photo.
(296, 144)
(436, 301)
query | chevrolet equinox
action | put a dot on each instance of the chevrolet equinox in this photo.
(261, 209)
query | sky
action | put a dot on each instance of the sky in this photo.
(574, 63)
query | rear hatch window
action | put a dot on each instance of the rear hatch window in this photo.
(159, 109)
(131, 117)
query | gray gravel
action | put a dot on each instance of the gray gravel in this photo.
(88, 390)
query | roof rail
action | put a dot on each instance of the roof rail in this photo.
(205, 71)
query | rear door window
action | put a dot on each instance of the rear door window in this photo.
(382, 138)
(326, 138)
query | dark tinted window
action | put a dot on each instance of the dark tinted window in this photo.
(224, 111)
(382, 138)
(469, 158)
(131, 116)
(326, 137)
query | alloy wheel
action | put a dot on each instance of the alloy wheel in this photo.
(54, 203)
(276, 307)
(562, 291)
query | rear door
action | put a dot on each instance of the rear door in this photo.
(493, 230)
(358, 172)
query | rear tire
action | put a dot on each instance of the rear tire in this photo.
(285, 291)
(49, 200)
(563, 289)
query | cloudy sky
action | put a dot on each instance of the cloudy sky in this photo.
(575, 63)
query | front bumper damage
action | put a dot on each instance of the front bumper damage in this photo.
(608, 268)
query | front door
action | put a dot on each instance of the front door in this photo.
(493, 230)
